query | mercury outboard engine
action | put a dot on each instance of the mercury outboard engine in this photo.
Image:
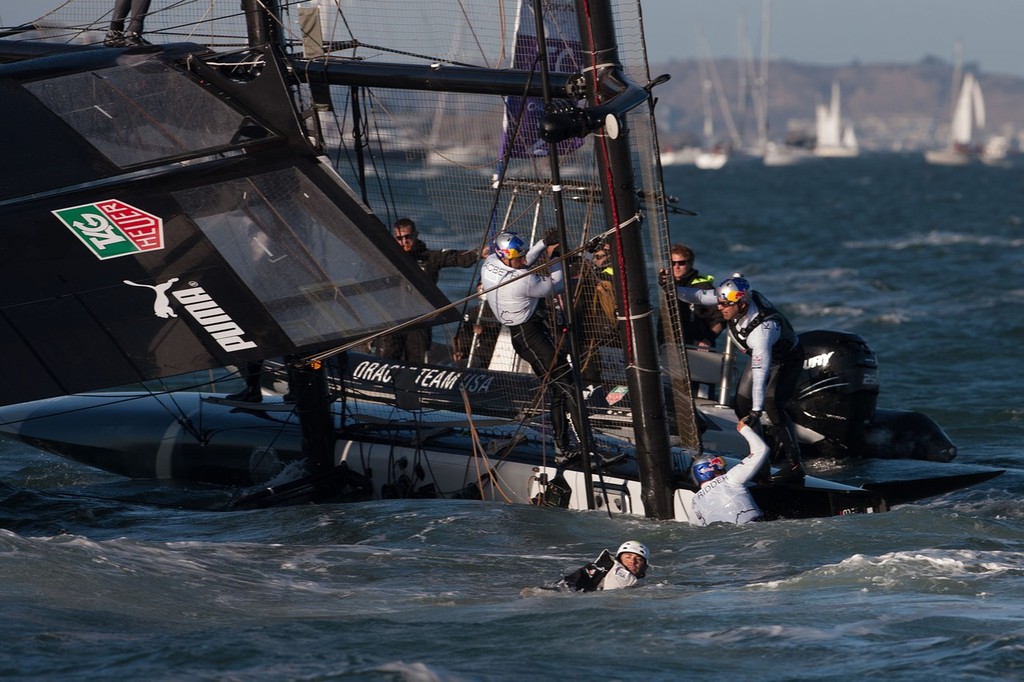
(836, 396)
(835, 412)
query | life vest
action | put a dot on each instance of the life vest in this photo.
(604, 301)
(766, 312)
(697, 283)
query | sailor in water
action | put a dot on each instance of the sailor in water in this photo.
(606, 573)
(776, 359)
(723, 495)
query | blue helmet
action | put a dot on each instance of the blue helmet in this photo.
(707, 468)
(733, 290)
(509, 245)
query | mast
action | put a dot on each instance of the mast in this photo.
(583, 431)
(262, 22)
(761, 79)
(954, 89)
(607, 81)
(308, 382)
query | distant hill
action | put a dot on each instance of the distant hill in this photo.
(892, 106)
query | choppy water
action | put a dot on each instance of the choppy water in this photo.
(923, 262)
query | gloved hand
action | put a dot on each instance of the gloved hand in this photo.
(551, 237)
(663, 278)
(753, 420)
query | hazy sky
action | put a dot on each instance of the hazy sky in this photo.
(837, 32)
(833, 32)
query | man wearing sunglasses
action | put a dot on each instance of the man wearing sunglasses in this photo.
(770, 378)
(413, 345)
(701, 323)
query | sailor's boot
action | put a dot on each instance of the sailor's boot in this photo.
(252, 393)
(114, 38)
(791, 470)
(293, 379)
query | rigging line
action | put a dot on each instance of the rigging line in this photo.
(478, 453)
(356, 43)
(382, 179)
(201, 434)
(571, 397)
(602, 143)
(473, 32)
(503, 30)
(340, 13)
(195, 25)
(499, 179)
(433, 313)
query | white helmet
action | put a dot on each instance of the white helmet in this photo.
(634, 547)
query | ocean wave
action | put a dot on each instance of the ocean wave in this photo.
(936, 238)
(933, 570)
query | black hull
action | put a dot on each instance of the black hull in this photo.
(257, 449)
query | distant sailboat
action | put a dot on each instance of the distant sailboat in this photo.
(684, 156)
(771, 153)
(715, 153)
(834, 140)
(968, 114)
(712, 159)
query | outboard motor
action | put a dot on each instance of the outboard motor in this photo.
(835, 411)
(835, 399)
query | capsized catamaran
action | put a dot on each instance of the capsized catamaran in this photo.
(184, 207)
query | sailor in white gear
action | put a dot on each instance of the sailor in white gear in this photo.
(723, 495)
(625, 569)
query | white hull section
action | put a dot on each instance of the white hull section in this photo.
(711, 160)
(947, 157)
(835, 152)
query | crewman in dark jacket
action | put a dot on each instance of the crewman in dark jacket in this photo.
(413, 345)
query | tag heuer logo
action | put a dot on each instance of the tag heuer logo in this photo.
(113, 228)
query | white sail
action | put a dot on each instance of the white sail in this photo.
(834, 139)
(969, 113)
(968, 116)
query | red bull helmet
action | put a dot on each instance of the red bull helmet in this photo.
(509, 245)
(707, 468)
(733, 290)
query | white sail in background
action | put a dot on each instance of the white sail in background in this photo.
(969, 113)
(715, 153)
(833, 139)
(968, 117)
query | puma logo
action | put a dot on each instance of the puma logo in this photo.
(162, 304)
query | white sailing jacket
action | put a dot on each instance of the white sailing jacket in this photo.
(726, 497)
(515, 303)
